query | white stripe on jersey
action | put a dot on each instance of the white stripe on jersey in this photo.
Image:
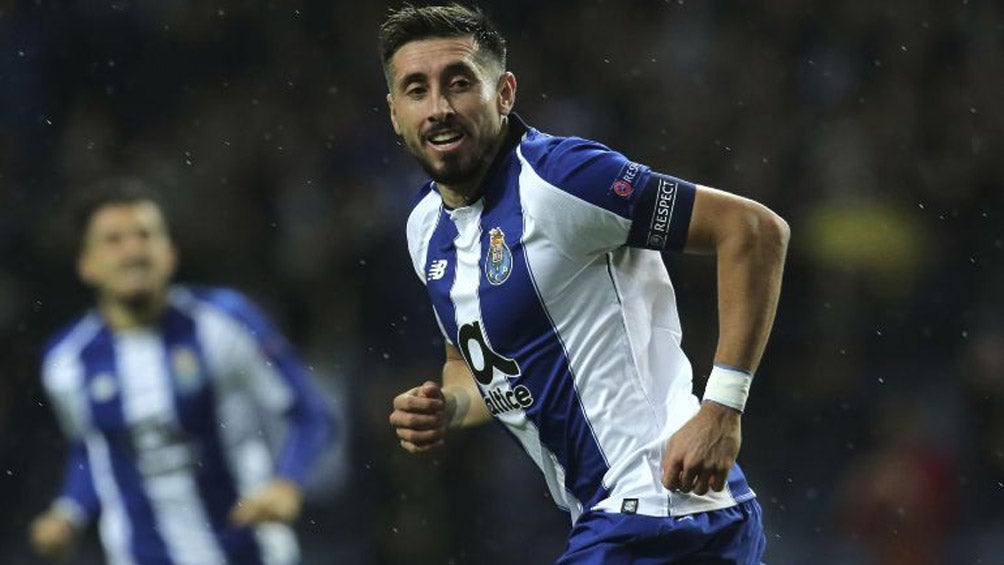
(63, 374)
(114, 523)
(421, 223)
(147, 396)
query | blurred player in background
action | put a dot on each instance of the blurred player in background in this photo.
(165, 394)
(542, 258)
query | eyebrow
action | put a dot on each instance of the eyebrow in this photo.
(457, 67)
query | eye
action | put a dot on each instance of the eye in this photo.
(460, 83)
(415, 91)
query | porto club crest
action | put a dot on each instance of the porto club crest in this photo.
(498, 263)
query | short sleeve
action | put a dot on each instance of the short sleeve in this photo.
(604, 200)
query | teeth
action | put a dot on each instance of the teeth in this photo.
(444, 136)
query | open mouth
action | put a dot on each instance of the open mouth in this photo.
(445, 139)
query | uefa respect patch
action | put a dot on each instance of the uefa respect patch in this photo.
(624, 184)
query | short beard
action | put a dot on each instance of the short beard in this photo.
(454, 172)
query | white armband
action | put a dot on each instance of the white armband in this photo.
(728, 386)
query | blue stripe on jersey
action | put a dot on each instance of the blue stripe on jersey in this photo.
(310, 423)
(587, 170)
(533, 342)
(196, 408)
(103, 388)
(443, 248)
(78, 485)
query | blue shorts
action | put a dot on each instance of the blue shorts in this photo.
(728, 536)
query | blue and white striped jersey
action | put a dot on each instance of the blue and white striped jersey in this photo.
(553, 288)
(168, 428)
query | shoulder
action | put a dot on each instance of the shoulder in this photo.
(422, 221)
(424, 209)
(573, 170)
(61, 354)
(561, 159)
(217, 302)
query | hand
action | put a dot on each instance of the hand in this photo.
(278, 501)
(419, 418)
(700, 454)
(52, 534)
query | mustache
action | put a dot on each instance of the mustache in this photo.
(447, 125)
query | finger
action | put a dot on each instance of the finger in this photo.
(411, 403)
(687, 478)
(430, 389)
(701, 483)
(671, 473)
(717, 481)
(419, 437)
(401, 419)
(413, 448)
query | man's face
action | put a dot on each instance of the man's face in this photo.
(127, 254)
(447, 102)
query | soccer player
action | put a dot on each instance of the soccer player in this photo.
(541, 256)
(166, 395)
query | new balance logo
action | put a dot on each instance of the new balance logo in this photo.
(436, 270)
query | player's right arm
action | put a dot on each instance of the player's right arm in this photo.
(423, 415)
(53, 532)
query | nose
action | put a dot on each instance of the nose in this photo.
(442, 107)
(134, 245)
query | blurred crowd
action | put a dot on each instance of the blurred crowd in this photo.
(875, 433)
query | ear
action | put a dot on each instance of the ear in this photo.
(393, 114)
(85, 270)
(506, 93)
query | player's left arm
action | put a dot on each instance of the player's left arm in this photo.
(273, 374)
(750, 242)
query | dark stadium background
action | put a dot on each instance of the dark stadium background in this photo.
(876, 429)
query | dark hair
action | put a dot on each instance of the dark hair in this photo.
(410, 23)
(107, 192)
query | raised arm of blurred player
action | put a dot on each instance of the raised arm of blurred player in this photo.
(264, 365)
(750, 242)
(422, 415)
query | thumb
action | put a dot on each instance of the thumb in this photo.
(430, 389)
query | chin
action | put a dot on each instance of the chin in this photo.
(138, 297)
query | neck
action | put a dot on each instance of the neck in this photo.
(458, 195)
(124, 315)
